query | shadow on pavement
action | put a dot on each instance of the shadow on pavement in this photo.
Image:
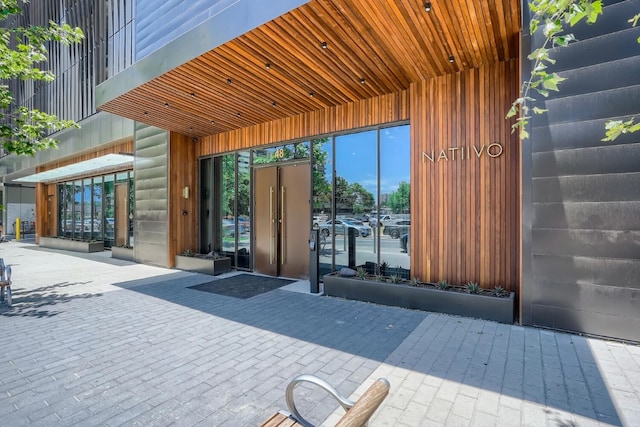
(31, 303)
(522, 363)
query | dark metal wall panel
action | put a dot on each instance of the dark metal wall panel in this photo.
(603, 159)
(605, 188)
(581, 227)
(593, 215)
(605, 272)
(151, 195)
(104, 52)
(588, 243)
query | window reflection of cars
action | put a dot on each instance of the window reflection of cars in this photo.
(229, 227)
(397, 228)
(341, 225)
(318, 219)
(373, 220)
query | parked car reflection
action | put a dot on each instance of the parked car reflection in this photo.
(341, 225)
(397, 228)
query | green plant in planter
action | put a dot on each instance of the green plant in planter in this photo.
(473, 288)
(442, 285)
(499, 291)
(414, 281)
(394, 278)
(188, 253)
(361, 273)
(379, 277)
(384, 265)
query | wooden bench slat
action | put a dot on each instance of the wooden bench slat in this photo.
(279, 420)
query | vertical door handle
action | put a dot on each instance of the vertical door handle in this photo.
(272, 233)
(283, 228)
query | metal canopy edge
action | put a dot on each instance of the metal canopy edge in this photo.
(99, 164)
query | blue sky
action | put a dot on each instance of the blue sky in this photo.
(356, 156)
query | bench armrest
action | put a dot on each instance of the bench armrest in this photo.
(344, 402)
(365, 406)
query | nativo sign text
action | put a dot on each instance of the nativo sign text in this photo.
(463, 153)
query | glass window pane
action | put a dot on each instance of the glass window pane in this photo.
(281, 153)
(355, 189)
(68, 214)
(228, 225)
(243, 198)
(77, 211)
(395, 199)
(322, 176)
(97, 208)
(206, 206)
(87, 214)
(109, 210)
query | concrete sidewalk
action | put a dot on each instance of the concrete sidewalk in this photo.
(92, 341)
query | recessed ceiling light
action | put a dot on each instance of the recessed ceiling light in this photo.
(451, 58)
(267, 66)
(427, 7)
(166, 104)
(193, 95)
(323, 45)
(213, 122)
(229, 81)
(362, 80)
(145, 113)
(311, 94)
(274, 104)
(239, 114)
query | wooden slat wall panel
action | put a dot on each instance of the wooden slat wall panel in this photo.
(183, 172)
(468, 229)
(368, 112)
(122, 147)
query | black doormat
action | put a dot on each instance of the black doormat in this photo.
(242, 285)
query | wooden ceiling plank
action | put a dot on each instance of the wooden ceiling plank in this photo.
(353, 43)
(428, 37)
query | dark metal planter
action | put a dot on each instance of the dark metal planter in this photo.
(209, 266)
(400, 295)
(71, 245)
(125, 254)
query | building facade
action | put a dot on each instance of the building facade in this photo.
(235, 127)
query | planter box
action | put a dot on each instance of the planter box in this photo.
(71, 245)
(212, 267)
(125, 254)
(400, 295)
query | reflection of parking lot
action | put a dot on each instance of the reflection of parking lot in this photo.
(390, 250)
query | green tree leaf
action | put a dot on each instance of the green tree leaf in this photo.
(23, 53)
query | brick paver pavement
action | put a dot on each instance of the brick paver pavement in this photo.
(95, 341)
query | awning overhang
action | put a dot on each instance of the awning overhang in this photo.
(99, 165)
(322, 54)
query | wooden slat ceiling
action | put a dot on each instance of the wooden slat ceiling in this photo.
(373, 47)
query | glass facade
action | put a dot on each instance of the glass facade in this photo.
(87, 209)
(360, 196)
(225, 205)
(361, 200)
